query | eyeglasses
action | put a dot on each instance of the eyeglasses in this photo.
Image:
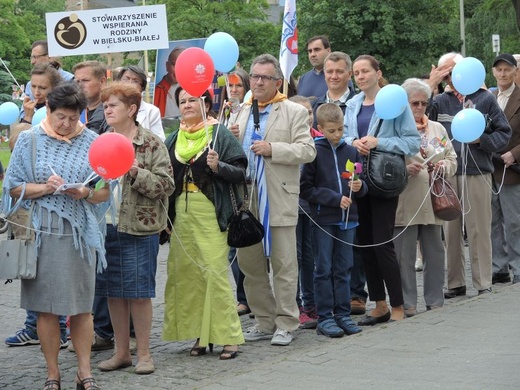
(127, 79)
(35, 57)
(419, 103)
(257, 77)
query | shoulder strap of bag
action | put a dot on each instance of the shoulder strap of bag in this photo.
(24, 185)
(234, 202)
(378, 127)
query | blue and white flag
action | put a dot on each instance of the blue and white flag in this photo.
(289, 44)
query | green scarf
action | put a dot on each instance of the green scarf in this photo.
(190, 144)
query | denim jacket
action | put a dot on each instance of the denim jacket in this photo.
(144, 206)
(397, 135)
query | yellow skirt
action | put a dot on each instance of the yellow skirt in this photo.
(199, 301)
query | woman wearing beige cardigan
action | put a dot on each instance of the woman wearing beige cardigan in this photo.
(414, 218)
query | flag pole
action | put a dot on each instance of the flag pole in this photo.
(289, 43)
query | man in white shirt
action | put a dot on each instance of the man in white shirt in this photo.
(148, 115)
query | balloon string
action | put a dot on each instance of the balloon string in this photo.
(228, 88)
(219, 122)
(202, 102)
(8, 71)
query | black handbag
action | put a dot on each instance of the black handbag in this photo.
(384, 172)
(244, 229)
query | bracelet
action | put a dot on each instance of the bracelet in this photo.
(90, 193)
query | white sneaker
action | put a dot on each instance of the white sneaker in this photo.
(254, 334)
(282, 337)
(419, 264)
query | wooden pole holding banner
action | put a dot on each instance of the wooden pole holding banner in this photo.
(147, 89)
(285, 88)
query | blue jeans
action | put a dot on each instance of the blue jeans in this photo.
(32, 316)
(334, 261)
(239, 277)
(305, 257)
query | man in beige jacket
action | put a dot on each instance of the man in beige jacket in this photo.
(284, 142)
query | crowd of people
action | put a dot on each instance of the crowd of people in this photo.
(329, 243)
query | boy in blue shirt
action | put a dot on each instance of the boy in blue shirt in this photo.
(330, 190)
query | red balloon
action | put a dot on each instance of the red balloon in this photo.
(111, 155)
(194, 71)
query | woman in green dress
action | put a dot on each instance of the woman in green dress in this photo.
(208, 162)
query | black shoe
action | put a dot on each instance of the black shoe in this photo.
(369, 320)
(485, 291)
(455, 292)
(501, 277)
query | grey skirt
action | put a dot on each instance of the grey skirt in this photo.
(64, 283)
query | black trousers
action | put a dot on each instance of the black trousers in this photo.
(376, 226)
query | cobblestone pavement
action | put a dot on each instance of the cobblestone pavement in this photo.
(471, 343)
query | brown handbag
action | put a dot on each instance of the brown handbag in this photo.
(445, 203)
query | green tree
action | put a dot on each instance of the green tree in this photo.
(13, 45)
(407, 36)
(246, 21)
(491, 17)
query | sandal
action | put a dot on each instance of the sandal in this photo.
(86, 383)
(228, 354)
(243, 309)
(200, 351)
(52, 384)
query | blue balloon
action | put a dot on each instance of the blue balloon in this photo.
(8, 113)
(391, 101)
(223, 50)
(468, 125)
(248, 95)
(468, 75)
(39, 115)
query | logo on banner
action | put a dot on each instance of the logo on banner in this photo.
(70, 32)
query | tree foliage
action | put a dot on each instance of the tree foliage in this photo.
(407, 36)
(491, 17)
(246, 21)
(21, 23)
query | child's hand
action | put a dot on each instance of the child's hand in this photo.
(355, 185)
(345, 202)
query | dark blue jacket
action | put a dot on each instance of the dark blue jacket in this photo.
(323, 99)
(322, 186)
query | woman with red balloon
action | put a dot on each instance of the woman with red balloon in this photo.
(140, 199)
(208, 163)
(66, 225)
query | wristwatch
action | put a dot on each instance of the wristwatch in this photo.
(90, 193)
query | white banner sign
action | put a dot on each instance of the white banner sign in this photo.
(108, 30)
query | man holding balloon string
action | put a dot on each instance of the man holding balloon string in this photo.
(462, 111)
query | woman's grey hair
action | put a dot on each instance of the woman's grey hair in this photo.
(413, 86)
(268, 59)
(138, 71)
